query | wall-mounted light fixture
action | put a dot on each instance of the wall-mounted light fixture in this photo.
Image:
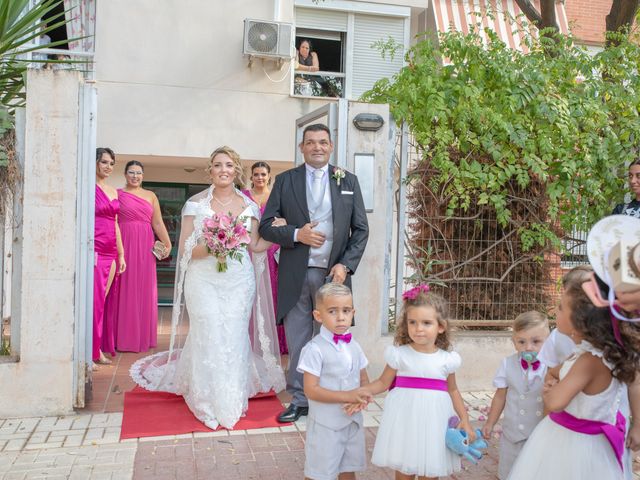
(368, 121)
(189, 169)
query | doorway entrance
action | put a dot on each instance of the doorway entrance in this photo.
(172, 197)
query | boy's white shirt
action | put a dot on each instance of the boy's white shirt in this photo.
(500, 379)
(556, 349)
(313, 363)
(338, 367)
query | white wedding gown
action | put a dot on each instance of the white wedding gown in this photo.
(217, 370)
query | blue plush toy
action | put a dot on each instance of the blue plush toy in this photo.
(458, 442)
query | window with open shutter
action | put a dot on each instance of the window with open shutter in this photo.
(343, 40)
(321, 19)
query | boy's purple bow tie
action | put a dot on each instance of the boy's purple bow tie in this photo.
(346, 338)
(525, 365)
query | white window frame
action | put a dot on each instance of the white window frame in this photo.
(352, 8)
(315, 33)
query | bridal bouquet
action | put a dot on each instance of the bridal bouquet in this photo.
(225, 237)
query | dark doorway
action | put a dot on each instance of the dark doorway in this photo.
(329, 53)
(58, 34)
(172, 197)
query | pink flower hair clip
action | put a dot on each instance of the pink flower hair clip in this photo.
(415, 291)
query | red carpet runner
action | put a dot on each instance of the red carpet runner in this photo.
(151, 414)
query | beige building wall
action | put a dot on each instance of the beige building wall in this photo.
(173, 82)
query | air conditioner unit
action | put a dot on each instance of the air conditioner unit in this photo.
(268, 39)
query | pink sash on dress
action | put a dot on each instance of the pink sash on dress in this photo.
(614, 433)
(419, 382)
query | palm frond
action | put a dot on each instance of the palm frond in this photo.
(20, 29)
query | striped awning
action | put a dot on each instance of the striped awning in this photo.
(459, 15)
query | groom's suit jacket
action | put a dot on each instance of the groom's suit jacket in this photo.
(288, 200)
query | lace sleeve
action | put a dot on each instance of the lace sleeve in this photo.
(190, 208)
(255, 211)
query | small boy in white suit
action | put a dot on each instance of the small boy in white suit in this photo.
(333, 365)
(519, 383)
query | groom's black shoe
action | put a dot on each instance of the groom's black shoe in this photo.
(292, 413)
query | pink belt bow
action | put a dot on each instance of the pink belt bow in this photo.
(613, 433)
(419, 382)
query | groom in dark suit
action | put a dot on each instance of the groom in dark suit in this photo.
(324, 238)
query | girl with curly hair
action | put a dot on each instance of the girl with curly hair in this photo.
(424, 395)
(583, 435)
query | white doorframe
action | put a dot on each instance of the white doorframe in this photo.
(85, 207)
(336, 115)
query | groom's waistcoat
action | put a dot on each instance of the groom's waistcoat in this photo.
(321, 213)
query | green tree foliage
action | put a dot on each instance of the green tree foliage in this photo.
(20, 27)
(513, 152)
(492, 119)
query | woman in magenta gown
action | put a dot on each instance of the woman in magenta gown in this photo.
(109, 255)
(136, 298)
(259, 193)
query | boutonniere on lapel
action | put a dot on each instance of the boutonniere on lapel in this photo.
(338, 174)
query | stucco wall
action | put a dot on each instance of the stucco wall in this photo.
(181, 86)
(40, 383)
(172, 79)
(370, 283)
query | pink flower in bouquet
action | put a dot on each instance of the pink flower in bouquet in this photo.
(209, 223)
(225, 221)
(232, 242)
(244, 237)
(225, 237)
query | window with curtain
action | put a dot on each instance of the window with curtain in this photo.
(81, 24)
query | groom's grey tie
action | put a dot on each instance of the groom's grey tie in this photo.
(316, 187)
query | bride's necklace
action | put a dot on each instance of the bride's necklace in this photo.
(224, 204)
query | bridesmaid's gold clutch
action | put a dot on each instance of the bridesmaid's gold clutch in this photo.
(159, 250)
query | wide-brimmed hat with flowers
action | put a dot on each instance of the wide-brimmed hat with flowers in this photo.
(608, 245)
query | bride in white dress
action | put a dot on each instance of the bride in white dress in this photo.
(231, 350)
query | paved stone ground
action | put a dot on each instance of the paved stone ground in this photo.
(256, 456)
(88, 447)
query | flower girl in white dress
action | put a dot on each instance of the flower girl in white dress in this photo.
(411, 437)
(583, 436)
